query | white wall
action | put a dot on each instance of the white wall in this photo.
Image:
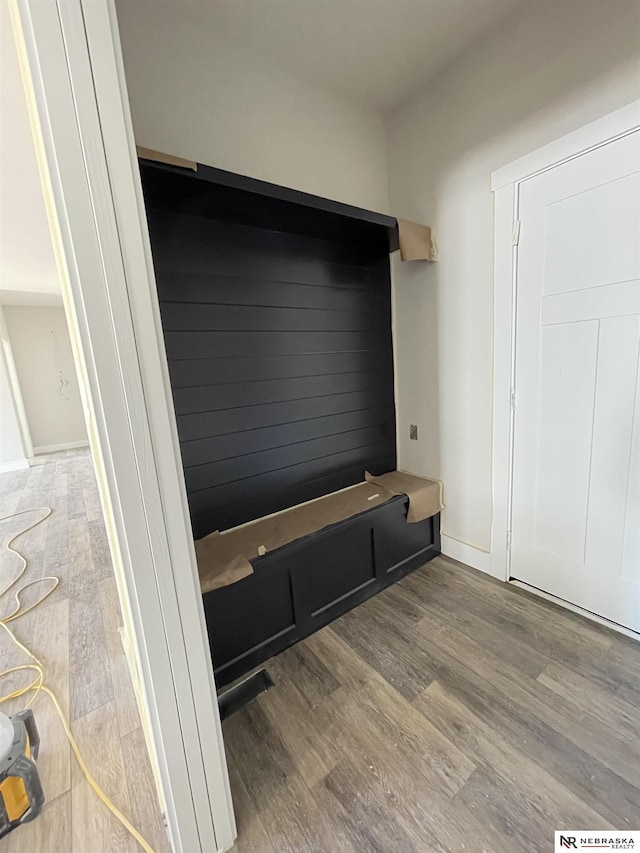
(196, 94)
(41, 349)
(554, 68)
(27, 261)
(28, 272)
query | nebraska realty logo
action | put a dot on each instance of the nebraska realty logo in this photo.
(591, 839)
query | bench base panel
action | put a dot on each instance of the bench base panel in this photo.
(305, 585)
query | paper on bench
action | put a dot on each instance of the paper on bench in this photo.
(225, 559)
(425, 496)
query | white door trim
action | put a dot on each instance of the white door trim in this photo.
(16, 390)
(505, 184)
(70, 56)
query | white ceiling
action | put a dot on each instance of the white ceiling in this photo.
(374, 52)
(27, 264)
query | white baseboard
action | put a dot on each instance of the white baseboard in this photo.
(467, 554)
(66, 445)
(18, 465)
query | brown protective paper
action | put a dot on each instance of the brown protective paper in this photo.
(416, 242)
(425, 496)
(160, 157)
(223, 558)
(219, 562)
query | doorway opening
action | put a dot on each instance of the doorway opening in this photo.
(74, 663)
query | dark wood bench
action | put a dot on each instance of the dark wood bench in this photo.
(299, 588)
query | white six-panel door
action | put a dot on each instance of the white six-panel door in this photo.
(576, 467)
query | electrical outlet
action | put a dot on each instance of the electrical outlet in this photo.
(413, 432)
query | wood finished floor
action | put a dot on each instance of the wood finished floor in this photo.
(450, 712)
(75, 633)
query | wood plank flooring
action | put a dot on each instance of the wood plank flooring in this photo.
(75, 633)
(450, 712)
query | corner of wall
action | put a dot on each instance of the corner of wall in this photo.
(15, 439)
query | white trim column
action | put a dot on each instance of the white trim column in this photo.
(69, 51)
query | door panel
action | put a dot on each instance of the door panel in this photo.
(568, 359)
(631, 540)
(594, 303)
(576, 474)
(585, 245)
(613, 418)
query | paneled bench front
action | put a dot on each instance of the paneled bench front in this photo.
(300, 587)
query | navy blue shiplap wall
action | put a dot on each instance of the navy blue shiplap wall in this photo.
(280, 355)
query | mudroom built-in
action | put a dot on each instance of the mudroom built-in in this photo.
(277, 321)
